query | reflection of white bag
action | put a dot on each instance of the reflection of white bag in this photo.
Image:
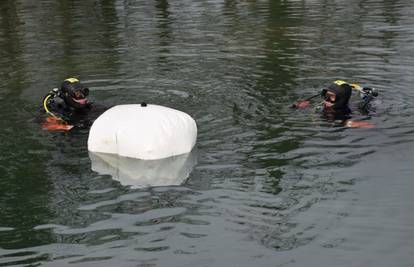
(144, 132)
(142, 173)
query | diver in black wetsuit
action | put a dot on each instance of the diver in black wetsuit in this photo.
(69, 103)
(336, 103)
(336, 98)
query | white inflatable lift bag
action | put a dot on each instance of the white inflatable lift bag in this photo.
(145, 132)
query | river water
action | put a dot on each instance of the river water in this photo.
(267, 185)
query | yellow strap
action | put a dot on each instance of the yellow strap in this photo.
(45, 106)
(356, 86)
(72, 80)
(339, 82)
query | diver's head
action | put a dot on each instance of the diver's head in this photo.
(74, 93)
(337, 96)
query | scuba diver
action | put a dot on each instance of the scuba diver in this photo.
(66, 106)
(335, 104)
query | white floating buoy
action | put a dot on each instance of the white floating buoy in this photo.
(143, 131)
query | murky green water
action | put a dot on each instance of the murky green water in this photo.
(268, 186)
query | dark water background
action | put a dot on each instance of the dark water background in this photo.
(272, 186)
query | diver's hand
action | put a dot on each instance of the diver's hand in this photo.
(301, 104)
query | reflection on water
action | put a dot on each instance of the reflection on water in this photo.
(143, 173)
(272, 186)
